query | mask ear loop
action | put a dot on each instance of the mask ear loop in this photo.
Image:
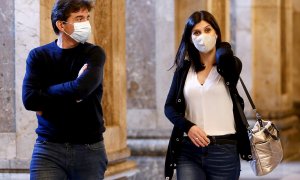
(65, 22)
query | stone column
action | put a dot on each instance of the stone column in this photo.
(221, 10)
(19, 35)
(183, 9)
(272, 60)
(296, 53)
(241, 42)
(150, 53)
(109, 33)
(7, 86)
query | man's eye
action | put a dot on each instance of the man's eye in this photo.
(79, 19)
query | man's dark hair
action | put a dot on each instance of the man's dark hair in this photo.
(63, 8)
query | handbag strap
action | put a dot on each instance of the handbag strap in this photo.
(258, 116)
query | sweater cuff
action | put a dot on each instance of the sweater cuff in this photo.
(187, 126)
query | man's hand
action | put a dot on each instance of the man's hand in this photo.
(198, 136)
(84, 67)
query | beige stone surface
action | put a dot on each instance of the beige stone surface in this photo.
(27, 37)
(296, 51)
(272, 24)
(46, 29)
(272, 91)
(183, 9)
(8, 145)
(164, 57)
(221, 10)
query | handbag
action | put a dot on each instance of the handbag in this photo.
(265, 142)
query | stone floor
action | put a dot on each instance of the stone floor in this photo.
(285, 171)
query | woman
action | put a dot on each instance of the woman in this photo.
(202, 103)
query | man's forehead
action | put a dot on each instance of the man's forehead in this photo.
(81, 12)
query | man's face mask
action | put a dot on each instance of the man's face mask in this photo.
(82, 31)
(205, 42)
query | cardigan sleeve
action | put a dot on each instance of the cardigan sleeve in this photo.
(174, 106)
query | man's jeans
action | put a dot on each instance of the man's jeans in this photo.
(54, 161)
(214, 162)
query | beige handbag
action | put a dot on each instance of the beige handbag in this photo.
(266, 146)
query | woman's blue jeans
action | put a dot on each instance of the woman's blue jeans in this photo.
(55, 161)
(214, 162)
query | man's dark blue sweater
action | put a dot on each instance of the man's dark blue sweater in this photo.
(70, 104)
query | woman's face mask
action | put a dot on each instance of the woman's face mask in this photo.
(82, 31)
(205, 42)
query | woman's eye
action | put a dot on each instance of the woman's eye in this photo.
(207, 30)
(196, 33)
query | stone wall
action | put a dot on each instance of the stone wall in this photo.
(296, 51)
(150, 52)
(149, 55)
(19, 35)
(7, 86)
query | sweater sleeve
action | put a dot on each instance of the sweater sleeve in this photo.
(172, 106)
(32, 94)
(87, 82)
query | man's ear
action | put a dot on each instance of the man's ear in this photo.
(60, 25)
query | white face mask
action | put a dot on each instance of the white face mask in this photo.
(205, 42)
(82, 31)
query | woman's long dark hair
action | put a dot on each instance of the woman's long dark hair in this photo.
(187, 48)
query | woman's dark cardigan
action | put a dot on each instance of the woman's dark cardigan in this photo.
(229, 67)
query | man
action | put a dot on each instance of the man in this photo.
(63, 84)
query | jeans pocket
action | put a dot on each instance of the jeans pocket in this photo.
(96, 146)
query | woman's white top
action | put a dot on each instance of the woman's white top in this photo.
(209, 106)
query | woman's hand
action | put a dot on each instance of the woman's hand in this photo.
(84, 67)
(198, 136)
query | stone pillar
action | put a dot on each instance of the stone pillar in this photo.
(183, 9)
(221, 10)
(109, 32)
(241, 42)
(150, 53)
(17, 125)
(7, 86)
(296, 51)
(272, 60)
